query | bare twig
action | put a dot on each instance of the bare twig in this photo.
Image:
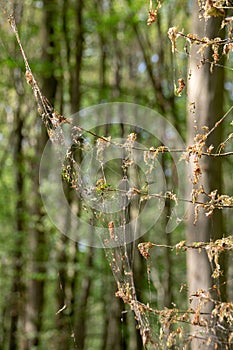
(219, 121)
(51, 118)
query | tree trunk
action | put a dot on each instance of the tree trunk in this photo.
(75, 71)
(81, 311)
(113, 339)
(205, 92)
(17, 288)
(37, 239)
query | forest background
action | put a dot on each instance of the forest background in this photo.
(60, 294)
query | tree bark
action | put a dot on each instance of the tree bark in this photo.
(205, 92)
(17, 288)
(113, 339)
(37, 239)
(76, 70)
(81, 311)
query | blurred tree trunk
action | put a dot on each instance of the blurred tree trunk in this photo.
(205, 92)
(37, 239)
(79, 296)
(78, 56)
(17, 288)
(103, 46)
(81, 323)
(37, 269)
(64, 339)
(114, 320)
(17, 293)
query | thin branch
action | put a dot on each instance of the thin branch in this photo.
(226, 154)
(50, 117)
(219, 121)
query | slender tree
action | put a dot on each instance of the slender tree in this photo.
(205, 94)
(37, 238)
(17, 286)
(17, 289)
